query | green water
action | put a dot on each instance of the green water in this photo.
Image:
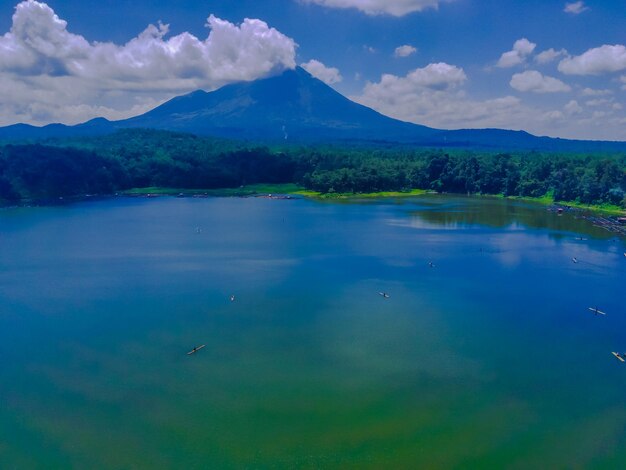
(489, 359)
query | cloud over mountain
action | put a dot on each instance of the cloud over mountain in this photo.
(328, 75)
(45, 65)
(433, 95)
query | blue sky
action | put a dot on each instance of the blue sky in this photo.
(553, 68)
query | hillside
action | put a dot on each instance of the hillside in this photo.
(296, 107)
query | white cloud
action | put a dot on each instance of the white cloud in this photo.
(603, 59)
(549, 55)
(450, 107)
(49, 74)
(553, 115)
(534, 81)
(575, 8)
(521, 50)
(598, 102)
(328, 75)
(404, 51)
(432, 96)
(436, 76)
(592, 92)
(572, 108)
(381, 7)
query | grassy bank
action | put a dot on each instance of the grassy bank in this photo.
(250, 190)
(548, 200)
(375, 195)
(297, 190)
(259, 189)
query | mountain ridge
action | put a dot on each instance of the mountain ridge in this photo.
(294, 106)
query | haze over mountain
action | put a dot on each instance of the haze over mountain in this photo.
(296, 107)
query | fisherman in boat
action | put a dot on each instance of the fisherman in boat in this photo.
(195, 349)
(596, 311)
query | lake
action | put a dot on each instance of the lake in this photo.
(489, 358)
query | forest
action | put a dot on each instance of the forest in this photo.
(48, 170)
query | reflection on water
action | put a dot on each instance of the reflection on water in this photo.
(487, 359)
(455, 212)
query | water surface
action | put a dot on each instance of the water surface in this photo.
(488, 359)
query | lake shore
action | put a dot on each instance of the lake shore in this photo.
(296, 190)
(292, 189)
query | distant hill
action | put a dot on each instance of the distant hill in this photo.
(296, 107)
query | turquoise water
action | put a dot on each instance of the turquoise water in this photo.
(489, 359)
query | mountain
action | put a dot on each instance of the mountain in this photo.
(26, 131)
(293, 105)
(297, 107)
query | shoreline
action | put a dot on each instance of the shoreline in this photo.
(282, 190)
(290, 189)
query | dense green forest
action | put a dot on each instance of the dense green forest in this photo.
(145, 158)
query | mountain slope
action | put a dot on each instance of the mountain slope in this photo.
(293, 105)
(297, 107)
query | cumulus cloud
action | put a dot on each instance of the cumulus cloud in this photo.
(575, 8)
(404, 51)
(536, 82)
(432, 96)
(436, 76)
(328, 75)
(596, 61)
(573, 108)
(64, 77)
(549, 55)
(449, 107)
(521, 50)
(599, 102)
(593, 92)
(381, 7)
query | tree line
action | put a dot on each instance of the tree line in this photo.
(144, 158)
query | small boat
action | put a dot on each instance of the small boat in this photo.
(232, 298)
(384, 294)
(196, 349)
(596, 311)
(431, 264)
(574, 260)
(619, 356)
